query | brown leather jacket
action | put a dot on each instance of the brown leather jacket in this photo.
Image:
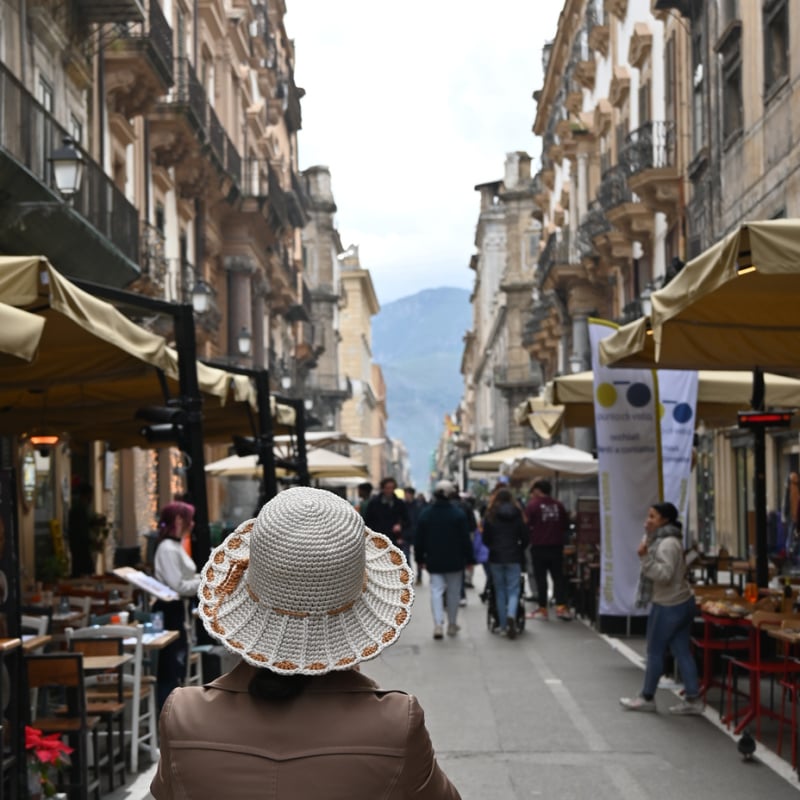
(341, 739)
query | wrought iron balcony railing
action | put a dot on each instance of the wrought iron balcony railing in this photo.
(189, 92)
(30, 134)
(614, 190)
(652, 146)
(155, 34)
(153, 250)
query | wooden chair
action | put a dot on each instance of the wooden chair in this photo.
(108, 703)
(138, 690)
(59, 676)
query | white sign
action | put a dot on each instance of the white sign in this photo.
(142, 580)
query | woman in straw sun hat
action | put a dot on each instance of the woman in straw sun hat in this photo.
(303, 594)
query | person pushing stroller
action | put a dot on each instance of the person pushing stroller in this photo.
(505, 534)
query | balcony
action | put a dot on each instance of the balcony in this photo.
(623, 209)
(101, 11)
(223, 151)
(178, 123)
(96, 236)
(138, 64)
(517, 376)
(649, 157)
(329, 385)
(154, 262)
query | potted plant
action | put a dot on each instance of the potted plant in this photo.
(46, 755)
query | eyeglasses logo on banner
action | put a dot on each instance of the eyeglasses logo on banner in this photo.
(638, 396)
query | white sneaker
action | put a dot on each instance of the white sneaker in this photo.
(453, 629)
(637, 703)
(687, 707)
(438, 633)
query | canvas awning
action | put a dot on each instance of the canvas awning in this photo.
(732, 307)
(20, 334)
(94, 368)
(321, 463)
(493, 460)
(545, 419)
(720, 394)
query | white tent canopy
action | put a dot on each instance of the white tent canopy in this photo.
(556, 459)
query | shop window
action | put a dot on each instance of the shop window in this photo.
(776, 45)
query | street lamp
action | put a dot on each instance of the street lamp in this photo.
(67, 165)
(646, 300)
(201, 296)
(244, 341)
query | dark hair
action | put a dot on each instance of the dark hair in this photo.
(410, 490)
(169, 516)
(543, 485)
(388, 479)
(269, 685)
(502, 495)
(668, 511)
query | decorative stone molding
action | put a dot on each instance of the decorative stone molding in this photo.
(556, 153)
(598, 39)
(619, 8)
(549, 178)
(574, 102)
(620, 86)
(77, 68)
(562, 128)
(585, 72)
(564, 199)
(238, 264)
(121, 130)
(640, 46)
(603, 113)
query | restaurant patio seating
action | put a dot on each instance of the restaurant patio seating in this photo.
(60, 676)
(104, 695)
(757, 665)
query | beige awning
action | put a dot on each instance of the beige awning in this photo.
(720, 394)
(322, 463)
(732, 307)
(492, 460)
(630, 345)
(20, 334)
(545, 419)
(94, 368)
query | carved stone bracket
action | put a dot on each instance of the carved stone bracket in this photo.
(640, 45)
(585, 72)
(602, 117)
(598, 39)
(620, 86)
(574, 102)
(616, 7)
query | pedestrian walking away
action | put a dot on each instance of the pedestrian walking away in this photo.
(664, 586)
(505, 532)
(386, 513)
(548, 523)
(444, 548)
(303, 594)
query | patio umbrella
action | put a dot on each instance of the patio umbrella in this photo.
(734, 307)
(555, 459)
(493, 460)
(720, 395)
(322, 463)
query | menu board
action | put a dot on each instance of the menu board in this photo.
(141, 580)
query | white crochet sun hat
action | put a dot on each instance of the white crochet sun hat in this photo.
(306, 587)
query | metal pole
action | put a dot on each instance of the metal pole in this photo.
(266, 454)
(303, 478)
(192, 402)
(759, 448)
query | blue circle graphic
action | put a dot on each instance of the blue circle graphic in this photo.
(639, 395)
(682, 412)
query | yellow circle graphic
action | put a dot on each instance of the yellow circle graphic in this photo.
(661, 410)
(606, 395)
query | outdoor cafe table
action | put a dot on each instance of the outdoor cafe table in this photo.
(104, 663)
(33, 641)
(720, 636)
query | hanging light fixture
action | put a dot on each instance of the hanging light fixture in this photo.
(67, 165)
(201, 296)
(244, 341)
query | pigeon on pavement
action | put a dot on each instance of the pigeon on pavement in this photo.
(746, 746)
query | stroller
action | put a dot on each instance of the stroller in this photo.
(488, 597)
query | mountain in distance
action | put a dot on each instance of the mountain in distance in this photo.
(418, 343)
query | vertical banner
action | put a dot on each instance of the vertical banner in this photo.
(628, 476)
(677, 397)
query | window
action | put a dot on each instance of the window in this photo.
(698, 80)
(75, 129)
(644, 103)
(45, 94)
(732, 112)
(160, 220)
(669, 80)
(776, 44)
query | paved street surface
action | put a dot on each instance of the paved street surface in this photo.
(539, 718)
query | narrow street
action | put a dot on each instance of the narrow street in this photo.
(539, 717)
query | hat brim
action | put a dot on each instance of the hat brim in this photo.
(292, 643)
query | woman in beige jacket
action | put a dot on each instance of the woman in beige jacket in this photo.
(303, 594)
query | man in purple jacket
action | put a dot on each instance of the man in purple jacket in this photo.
(547, 527)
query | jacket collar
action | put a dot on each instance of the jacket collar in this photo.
(238, 679)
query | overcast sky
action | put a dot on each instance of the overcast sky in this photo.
(410, 106)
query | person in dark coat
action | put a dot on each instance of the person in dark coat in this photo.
(444, 548)
(505, 533)
(386, 513)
